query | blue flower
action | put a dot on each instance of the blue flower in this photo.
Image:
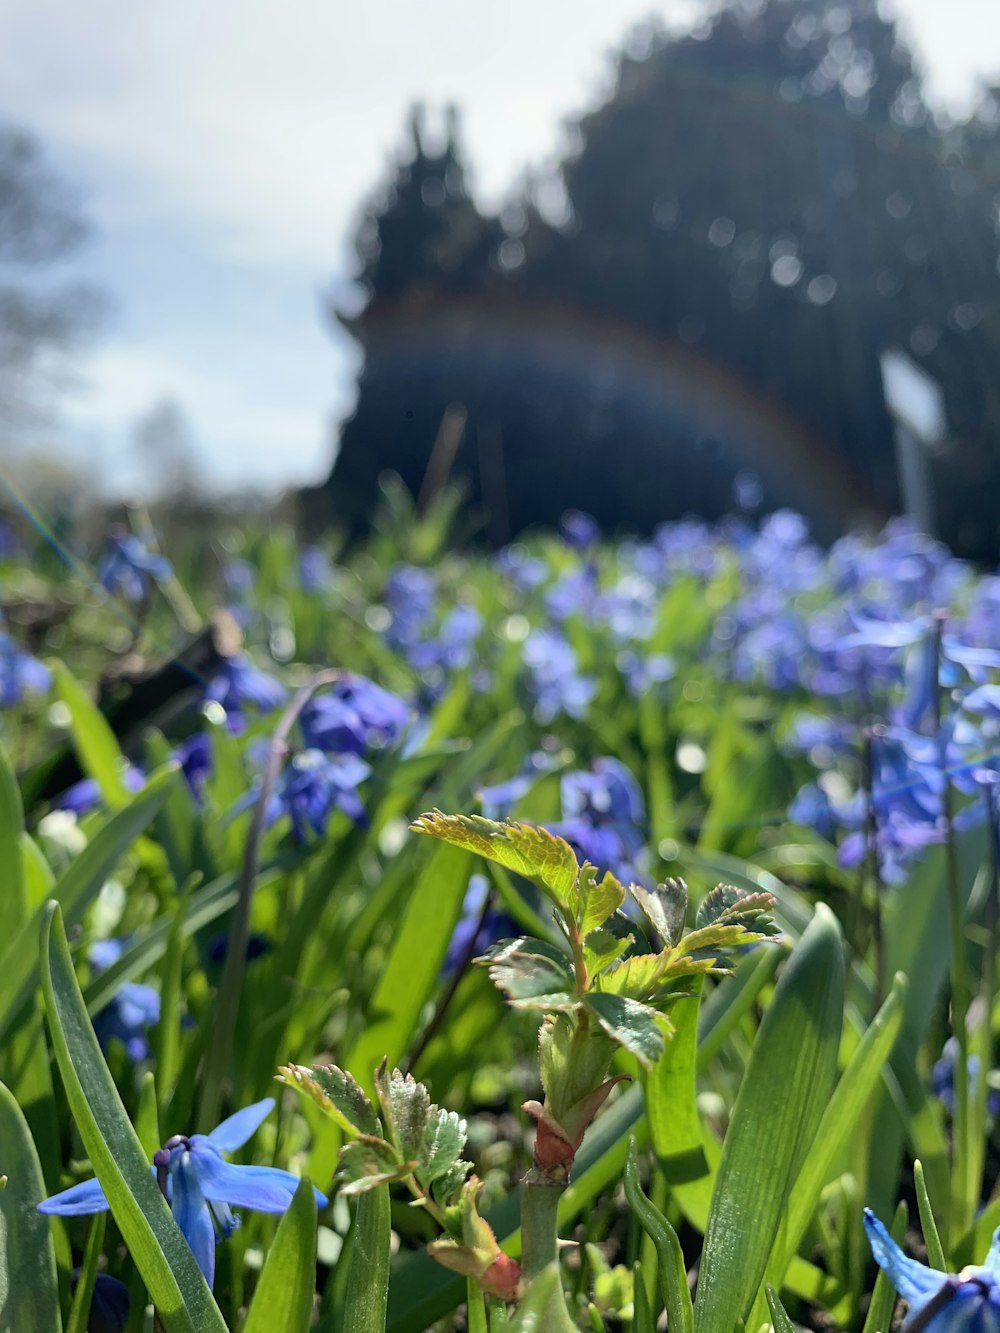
(200, 1187)
(109, 1305)
(129, 566)
(315, 784)
(132, 1010)
(19, 673)
(966, 1302)
(353, 716)
(314, 569)
(237, 683)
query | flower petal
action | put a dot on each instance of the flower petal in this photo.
(78, 1200)
(915, 1282)
(235, 1131)
(265, 1188)
(992, 1261)
(192, 1214)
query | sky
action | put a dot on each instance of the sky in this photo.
(222, 152)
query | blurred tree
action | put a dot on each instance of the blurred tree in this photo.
(42, 316)
(768, 196)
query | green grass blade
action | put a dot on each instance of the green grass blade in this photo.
(414, 964)
(671, 1269)
(79, 1315)
(928, 1225)
(780, 1320)
(840, 1120)
(161, 1254)
(368, 1277)
(93, 740)
(283, 1300)
(75, 891)
(883, 1303)
(671, 1109)
(777, 1113)
(29, 1294)
(11, 829)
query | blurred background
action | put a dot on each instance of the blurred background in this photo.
(638, 259)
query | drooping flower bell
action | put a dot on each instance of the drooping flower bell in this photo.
(965, 1302)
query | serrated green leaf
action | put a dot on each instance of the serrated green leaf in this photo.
(367, 1162)
(283, 1301)
(529, 970)
(336, 1093)
(665, 908)
(442, 1144)
(601, 949)
(636, 977)
(715, 939)
(632, 1025)
(29, 1295)
(732, 905)
(161, 1254)
(538, 855)
(405, 1107)
(598, 899)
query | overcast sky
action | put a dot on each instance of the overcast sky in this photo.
(222, 150)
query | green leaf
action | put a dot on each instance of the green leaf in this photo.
(780, 1320)
(283, 1300)
(405, 1105)
(637, 977)
(336, 1093)
(928, 1225)
(11, 831)
(535, 853)
(75, 891)
(95, 743)
(601, 949)
(716, 939)
(367, 1162)
(532, 974)
(368, 1273)
(730, 905)
(840, 1120)
(670, 1091)
(161, 1254)
(29, 1295)
(79, 1315)
(413, 968)
(441, 1147)
(671, 1270)
(598, 899)
(665, 908)
(778, 1109)
(632, 1025)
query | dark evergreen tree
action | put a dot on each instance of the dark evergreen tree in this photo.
(768, 197)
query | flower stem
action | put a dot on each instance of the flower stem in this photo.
(228, 1003)
(539, 1235)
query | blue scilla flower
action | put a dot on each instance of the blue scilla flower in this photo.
(132, 1010)
(314, 569)
(965, 1302)
(355, 715)
(554, 678)
(20, 673)
(109, 1306)
(129, 567)
(200, 1187)
(313, 785)
(238, 684)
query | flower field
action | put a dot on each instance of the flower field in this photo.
(379, 919)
